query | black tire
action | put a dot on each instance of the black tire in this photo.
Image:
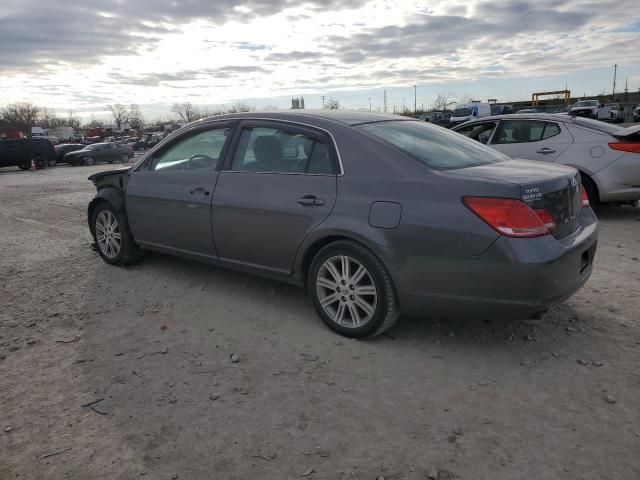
(124, 158)
(591, 188)
(40, 162)
(386, 310)
(24, 167)
(88, 161)
(53, 161)
(129, 251)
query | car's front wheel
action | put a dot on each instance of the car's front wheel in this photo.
(112, 237)
(124, 158)
(53, 161)
(351, 290)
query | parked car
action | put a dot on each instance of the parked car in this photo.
(585, 108)
(437, 118)
(22, 152)
(470, 111)
(563, 110)
(607, 156)
(375, 215)
(636, 114)
(99, 152)
(501, 109)
(64, 148)
(528, 110)
(611, 112)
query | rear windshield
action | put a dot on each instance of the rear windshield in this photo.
(597, 125)
(434, 146)
(462, 112)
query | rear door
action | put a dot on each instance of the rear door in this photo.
(169, 196)
(532, 139)
(279, 184)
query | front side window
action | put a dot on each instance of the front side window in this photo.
(479, 131)
(198, 152)
(434, 146)
(524, 131)
(268, 149)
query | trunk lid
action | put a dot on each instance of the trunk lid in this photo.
(555, 188)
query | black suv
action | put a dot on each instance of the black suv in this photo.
(21, 152)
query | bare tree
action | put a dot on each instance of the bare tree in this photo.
(239, 107)
(120, 114)
(186, 111)
(270, 107)
(443, 101)
(47, 118)
(21, 115)
(135, 116)
(72, 120)
(332, 104)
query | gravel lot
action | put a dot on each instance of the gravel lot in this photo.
(150, 345)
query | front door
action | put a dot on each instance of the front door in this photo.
(278, 186)
(169, 195)
(532, 139)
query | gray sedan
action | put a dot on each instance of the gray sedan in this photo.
(374, 215)
(99, 152)
(607, 156)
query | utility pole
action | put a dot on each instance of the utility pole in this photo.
(626, 89)
(385, 101)
(369, 103)
(322, 101)
(613, 91)
(415, 99)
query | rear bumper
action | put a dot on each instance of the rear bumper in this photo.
(514, 278)
(620, 180)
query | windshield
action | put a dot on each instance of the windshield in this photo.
(586, 103)
(435, 147)
(462, 112)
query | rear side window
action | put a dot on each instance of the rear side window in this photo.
(434, 146)
(279, 150)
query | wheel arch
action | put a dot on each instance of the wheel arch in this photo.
(313, 245)
(110, 195)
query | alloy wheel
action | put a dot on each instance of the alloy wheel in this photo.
(108, 234)
(346, 291)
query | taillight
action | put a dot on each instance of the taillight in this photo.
(626, 147)
(511, 217)
(585, 198)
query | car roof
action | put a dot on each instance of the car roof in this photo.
(346, 117)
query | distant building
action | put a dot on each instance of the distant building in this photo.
(297, 103)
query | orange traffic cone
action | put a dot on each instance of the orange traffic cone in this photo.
(33, 165)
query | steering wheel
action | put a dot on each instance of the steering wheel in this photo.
(202, 156)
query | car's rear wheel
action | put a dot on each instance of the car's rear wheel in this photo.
(591, 188)
(351, 290)
(112, 237)
(124, 158)
(53, 161)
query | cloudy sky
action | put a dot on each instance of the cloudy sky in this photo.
(84, 55)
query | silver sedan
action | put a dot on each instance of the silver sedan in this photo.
(607, 156)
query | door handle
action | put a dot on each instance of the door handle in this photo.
(310, 201)
(199, 190)
(545, 150)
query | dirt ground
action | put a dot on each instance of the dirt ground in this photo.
(150, 345)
